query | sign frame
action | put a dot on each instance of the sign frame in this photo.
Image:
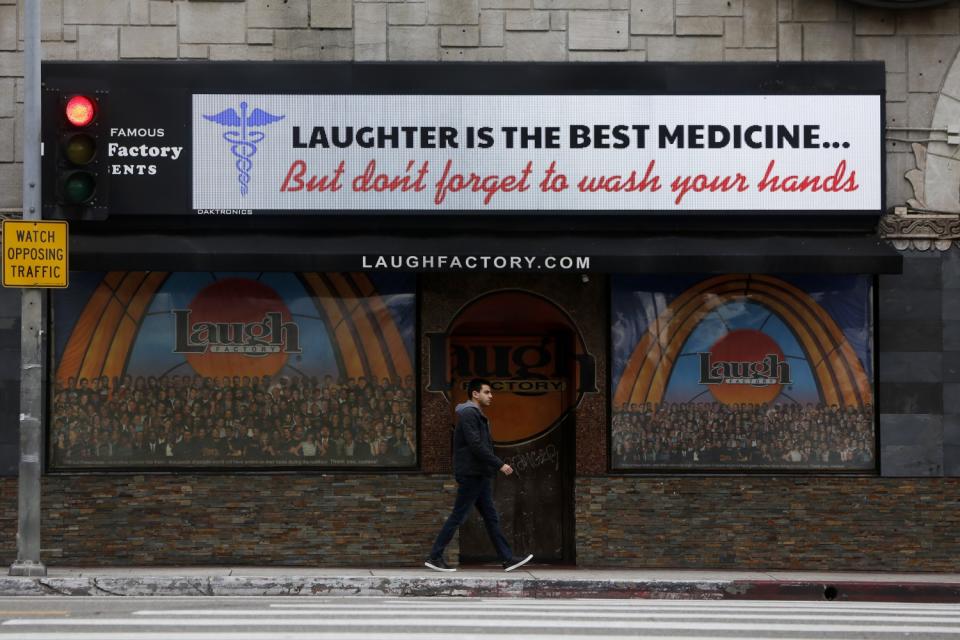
(181, 80)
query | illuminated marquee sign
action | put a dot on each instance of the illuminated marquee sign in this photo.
(225, 140)
(557, 153)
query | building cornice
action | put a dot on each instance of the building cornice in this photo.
(920, 229)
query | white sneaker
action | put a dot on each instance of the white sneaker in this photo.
(438, 564)
(514, 563)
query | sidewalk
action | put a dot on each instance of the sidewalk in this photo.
(540, 582)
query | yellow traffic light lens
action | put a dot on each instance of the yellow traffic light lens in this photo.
(80, 149)
(80, 111)
(79, 187)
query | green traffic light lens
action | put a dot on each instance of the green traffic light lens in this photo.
(79, 187)
(80, 149)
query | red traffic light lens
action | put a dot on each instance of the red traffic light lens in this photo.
(80, 111)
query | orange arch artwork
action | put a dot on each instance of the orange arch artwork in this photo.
(840, 375)
(367, 339)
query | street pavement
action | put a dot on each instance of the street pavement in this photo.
(363, 618)
(532, 581)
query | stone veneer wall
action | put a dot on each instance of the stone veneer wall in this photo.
(769, 523)
(760, 523)
(251, 519)
(919, 366)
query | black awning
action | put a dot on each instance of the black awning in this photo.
(605, 253)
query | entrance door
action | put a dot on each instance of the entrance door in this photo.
(532, 422)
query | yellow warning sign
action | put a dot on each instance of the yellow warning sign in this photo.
(35, 253)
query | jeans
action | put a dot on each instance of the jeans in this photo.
(473, 491)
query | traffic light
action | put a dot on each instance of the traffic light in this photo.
(80, 188)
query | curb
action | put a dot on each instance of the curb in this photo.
(850, 591)
(155, 586)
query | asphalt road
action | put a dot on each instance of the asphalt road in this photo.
(362, 618)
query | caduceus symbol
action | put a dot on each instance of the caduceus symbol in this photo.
(243, 143)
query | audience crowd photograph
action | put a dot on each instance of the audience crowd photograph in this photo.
(188, 420)
(716, 435)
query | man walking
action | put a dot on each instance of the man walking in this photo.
(474, 465)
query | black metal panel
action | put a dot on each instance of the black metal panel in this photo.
(606, 253)
(157, 95)
(479, 222)
(562, 78)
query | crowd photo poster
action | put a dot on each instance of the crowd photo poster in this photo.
(742, 371)
(166, 369)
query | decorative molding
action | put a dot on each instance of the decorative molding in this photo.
(921, 230)
(915, 225)
(917, 178)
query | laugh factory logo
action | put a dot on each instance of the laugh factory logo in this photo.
(236, 326)
(745, 366)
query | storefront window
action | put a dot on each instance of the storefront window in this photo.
(742, 372)
(157, 369)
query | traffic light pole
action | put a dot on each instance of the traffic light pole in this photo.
(31, 320)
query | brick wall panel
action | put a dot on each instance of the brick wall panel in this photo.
(768, 523)
(295, 520)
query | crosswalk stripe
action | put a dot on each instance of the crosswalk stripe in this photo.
(344, 618)
(486, 604)
(674, 602)
(552, 606)
(494, 623)
(340, 635)
(578, 614)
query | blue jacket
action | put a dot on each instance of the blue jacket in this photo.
(472, 443)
